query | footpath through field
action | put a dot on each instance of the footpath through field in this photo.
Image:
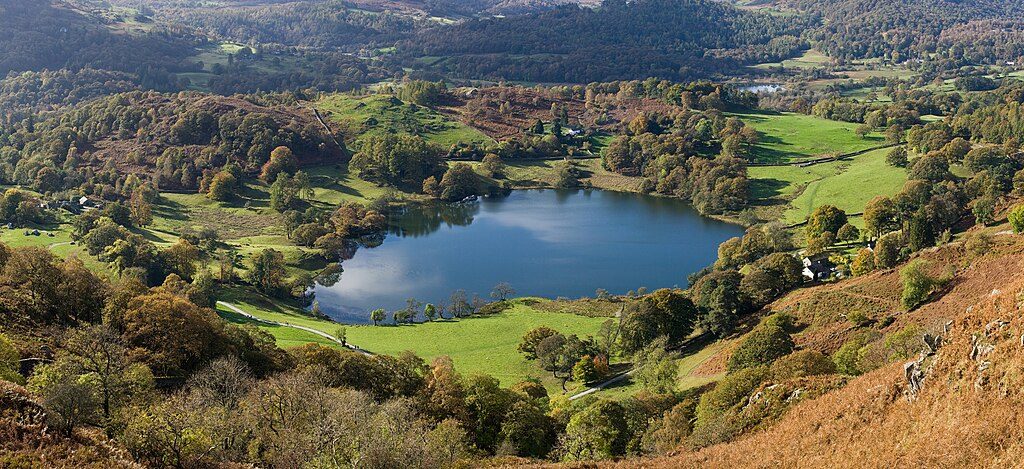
(601, 386)
(303, 328)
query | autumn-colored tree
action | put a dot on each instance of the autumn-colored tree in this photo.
(267, 271)
(825, 218)
(222, 186)
(141, 205)
(281, 160)
(182, 257)
(171, 334)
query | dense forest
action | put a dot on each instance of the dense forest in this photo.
(672, 39)
(43, 36)
(334, 24)
(178, 139)
(985, 31)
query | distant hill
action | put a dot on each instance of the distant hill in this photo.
(672, 39)
(40, 34)
(977, 30)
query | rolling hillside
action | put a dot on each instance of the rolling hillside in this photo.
(962, 415)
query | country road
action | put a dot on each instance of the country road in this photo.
(303, 328)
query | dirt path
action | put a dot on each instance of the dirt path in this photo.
(303, 328)
(601, 386)
(53, 245)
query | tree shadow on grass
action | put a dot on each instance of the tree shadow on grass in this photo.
(765, 191)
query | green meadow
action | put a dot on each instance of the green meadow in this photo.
(811, 58)
(790, 137)
(484, 344)
(848, 184)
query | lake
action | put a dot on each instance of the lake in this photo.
(548, 243)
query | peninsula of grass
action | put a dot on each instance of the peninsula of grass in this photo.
(477, 345)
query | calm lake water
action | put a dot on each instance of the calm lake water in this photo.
(546, 243)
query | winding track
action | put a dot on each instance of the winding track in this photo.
(303, 328)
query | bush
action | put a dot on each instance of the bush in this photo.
(847, 359)
(802, 363)
(858, 318)
(979, 244)
(761, 347)
(670, 432)
(730, 391)
(9, 361)
(1016, 217)
(904, 343)
(917, 284)
(783, 320)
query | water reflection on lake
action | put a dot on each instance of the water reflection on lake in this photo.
(543, 242)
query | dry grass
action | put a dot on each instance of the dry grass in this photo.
(967, 415)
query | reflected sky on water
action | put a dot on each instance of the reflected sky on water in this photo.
(546, 243)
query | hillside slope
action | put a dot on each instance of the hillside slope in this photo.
(965, 413)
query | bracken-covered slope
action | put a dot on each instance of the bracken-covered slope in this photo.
(967, 411)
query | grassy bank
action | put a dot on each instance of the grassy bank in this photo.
(477, 345)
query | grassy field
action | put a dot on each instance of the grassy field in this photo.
(544, 173)
(217, 53)
(847, 184)
(60, 244)
(789, 137)
(384, 113)
(477, 345)
(810, 59)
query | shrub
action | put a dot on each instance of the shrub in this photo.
(802, 363)
(671, 431)
(847, 358)
(762, 346)
(783, 320)
(979, 244)
(858, 318)
(1016, 217)
(917, 284)
(9, 361)
(730, 391)
(904, 343)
